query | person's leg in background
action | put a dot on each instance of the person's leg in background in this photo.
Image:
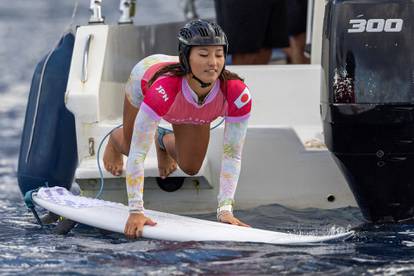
(253, 28)
(296, 19)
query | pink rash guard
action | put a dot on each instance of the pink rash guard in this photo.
(172, 99)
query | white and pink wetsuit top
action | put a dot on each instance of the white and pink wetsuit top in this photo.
(172, 99)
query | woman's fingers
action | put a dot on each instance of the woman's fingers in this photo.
(229, 218)
(138, 232)
(135, 225)
(238, 222)
(140, 228)
(243, 224)
(150, 222)
(133, 231)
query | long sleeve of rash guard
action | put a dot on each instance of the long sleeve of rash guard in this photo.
(142, 137)
(234, 135)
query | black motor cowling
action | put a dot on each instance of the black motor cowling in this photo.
(367, 105)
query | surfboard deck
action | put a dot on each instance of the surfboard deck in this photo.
(112, 216)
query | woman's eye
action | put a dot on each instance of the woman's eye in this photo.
(203, 55)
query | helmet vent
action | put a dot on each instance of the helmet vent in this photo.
(186, 33)
(216, 28)
(202, 31)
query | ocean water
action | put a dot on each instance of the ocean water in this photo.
(27, 32)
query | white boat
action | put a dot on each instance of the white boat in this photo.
(284, 160)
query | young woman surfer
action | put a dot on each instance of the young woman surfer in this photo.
(189, 92)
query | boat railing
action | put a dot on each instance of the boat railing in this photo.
(95, 8)
(128, 8)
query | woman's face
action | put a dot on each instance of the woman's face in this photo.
(207, 62)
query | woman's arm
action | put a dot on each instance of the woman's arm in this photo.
(234, 135)
(142, 137)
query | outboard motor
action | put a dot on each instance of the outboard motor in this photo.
(367, 103)
(48, 151)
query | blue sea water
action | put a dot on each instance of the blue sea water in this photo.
(28, 29)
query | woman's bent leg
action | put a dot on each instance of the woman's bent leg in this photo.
(120, 141)
(188, 146)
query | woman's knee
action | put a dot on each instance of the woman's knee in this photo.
(190, 169)
(191, 163)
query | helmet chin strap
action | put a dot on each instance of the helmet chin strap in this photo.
(202, 84)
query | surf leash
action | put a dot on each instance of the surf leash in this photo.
(28, 200)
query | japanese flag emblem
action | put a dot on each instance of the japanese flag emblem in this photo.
(243, 99)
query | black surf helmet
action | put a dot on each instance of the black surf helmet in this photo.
(198, 33)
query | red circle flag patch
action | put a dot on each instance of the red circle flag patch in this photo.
(243, 99)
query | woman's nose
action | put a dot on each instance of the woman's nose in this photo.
(212, 60)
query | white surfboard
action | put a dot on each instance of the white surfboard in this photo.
(113, 216)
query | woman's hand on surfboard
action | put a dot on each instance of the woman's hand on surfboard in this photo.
(135, 225)
(228, 217)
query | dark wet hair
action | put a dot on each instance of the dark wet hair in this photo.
(177, 70)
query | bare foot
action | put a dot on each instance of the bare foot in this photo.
(113, 160)
(166, 164)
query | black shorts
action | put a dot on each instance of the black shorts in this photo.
(253, 25)
(297, 11)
